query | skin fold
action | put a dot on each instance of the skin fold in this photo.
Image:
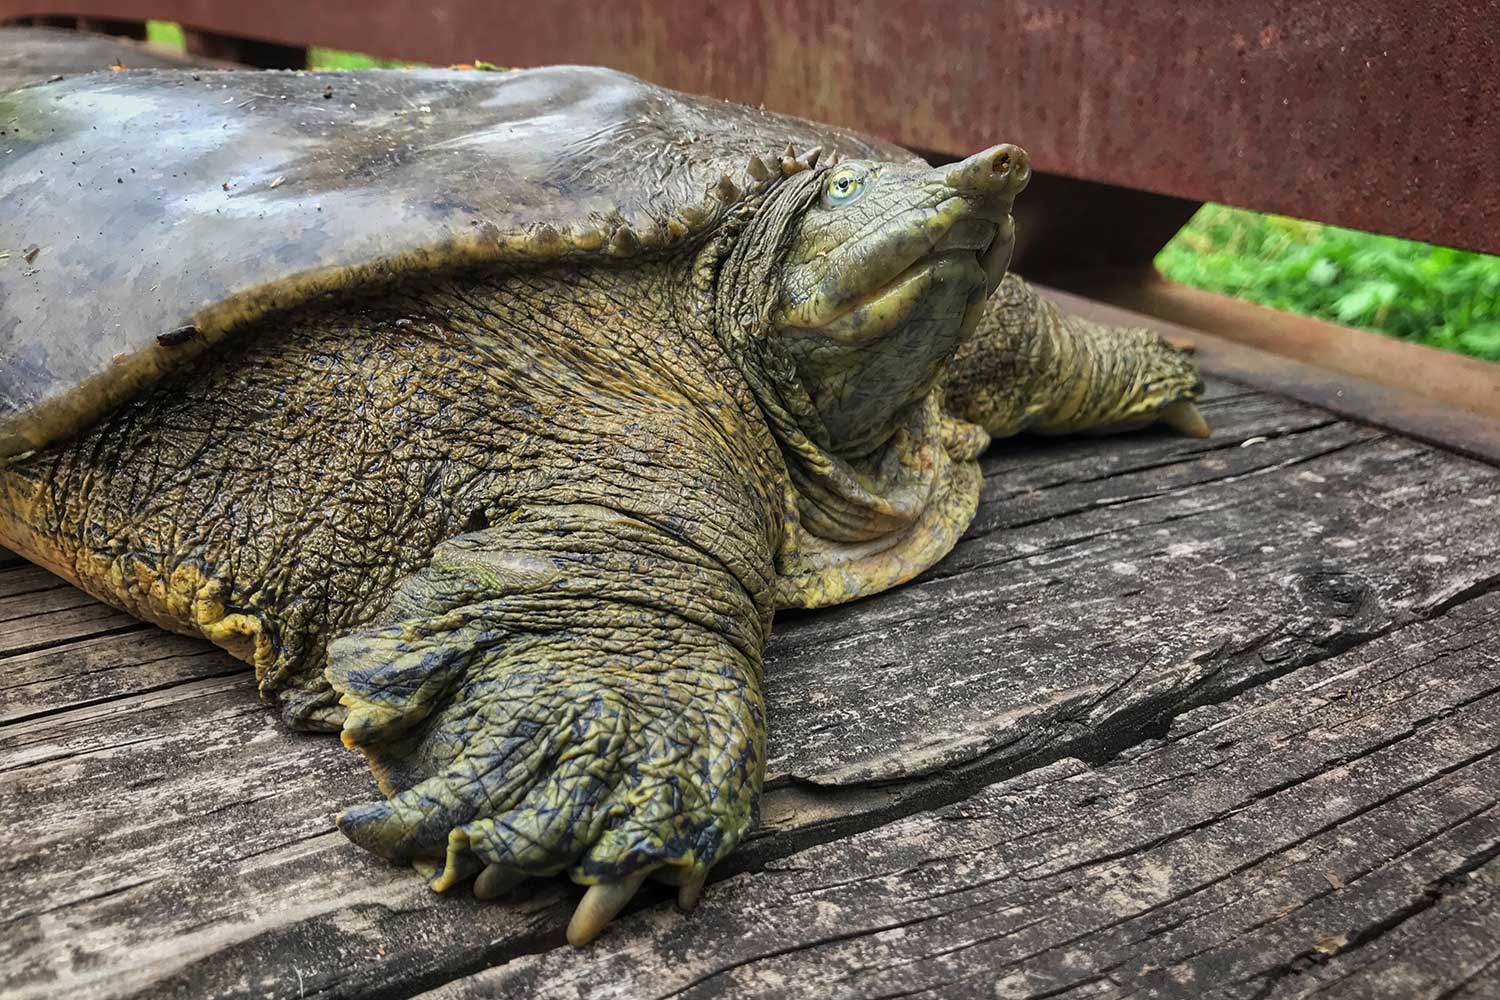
(519, 535)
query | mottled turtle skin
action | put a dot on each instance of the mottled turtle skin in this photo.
(491, 417)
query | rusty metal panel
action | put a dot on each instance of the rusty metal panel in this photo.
(1377, 115)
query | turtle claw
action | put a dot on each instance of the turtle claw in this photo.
(1185, 417)
(552, 755)
(689, 892)
(687, 881)
(496, 881)
(443, 874)
(601, 904)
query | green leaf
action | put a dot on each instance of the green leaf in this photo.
(1431, 294)
(1323, 272)
(1483, 340)
(1365, 301)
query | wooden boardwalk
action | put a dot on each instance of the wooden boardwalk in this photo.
(1177, 718)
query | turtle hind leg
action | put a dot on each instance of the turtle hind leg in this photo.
(182, 592)
(571, 691)
(1031, 367)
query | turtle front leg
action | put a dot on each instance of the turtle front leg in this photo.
(573, 689)
(1031, 367)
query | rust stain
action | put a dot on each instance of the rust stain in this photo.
(1362, 113)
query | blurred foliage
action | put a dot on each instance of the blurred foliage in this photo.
(1432, 295)
(165, 33)
(169, 33)
(335, 59)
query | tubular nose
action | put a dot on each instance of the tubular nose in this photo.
(1004, 168)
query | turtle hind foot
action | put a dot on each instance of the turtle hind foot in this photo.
(520, 731)
(593, 708)
(572, 778)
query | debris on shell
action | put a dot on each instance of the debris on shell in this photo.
(181, 335)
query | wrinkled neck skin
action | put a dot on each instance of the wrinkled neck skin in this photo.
(856, 524)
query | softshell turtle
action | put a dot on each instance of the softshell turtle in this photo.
(492, 416)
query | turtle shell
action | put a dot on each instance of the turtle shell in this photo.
(31, 55)
(149, 214)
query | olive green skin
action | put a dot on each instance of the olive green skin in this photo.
(515, 515)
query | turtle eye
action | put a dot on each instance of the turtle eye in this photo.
(844, 186)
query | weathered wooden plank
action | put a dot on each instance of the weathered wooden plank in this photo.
(19, 578)
(1336, 831)
(54, 627)
(103, 668)
(176, 841)
(1116, 593)
(58, 597)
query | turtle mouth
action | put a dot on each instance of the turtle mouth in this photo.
(894, 305)
(884, 260)
(965, 264)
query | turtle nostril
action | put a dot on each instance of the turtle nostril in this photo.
(1012, 162)
(1002, 169)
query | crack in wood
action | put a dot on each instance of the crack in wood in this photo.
(1432, 894)
(1336, 553)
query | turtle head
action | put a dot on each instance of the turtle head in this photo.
(887, 271)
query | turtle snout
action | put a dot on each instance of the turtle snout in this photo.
(1003, 169)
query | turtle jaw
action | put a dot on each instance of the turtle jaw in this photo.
(851, 259)
(915, 291)
(884, 351)
(886, 274)
(873, 276)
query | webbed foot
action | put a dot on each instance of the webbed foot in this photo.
(536, 732)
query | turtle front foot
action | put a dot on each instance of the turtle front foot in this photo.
(1030, 367)
(528, 734)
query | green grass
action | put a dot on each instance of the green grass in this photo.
(170, 34)
(165, 33)
(1428, 294)
(335, 59)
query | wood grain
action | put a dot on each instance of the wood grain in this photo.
(1161, 690)
(1334, 831)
